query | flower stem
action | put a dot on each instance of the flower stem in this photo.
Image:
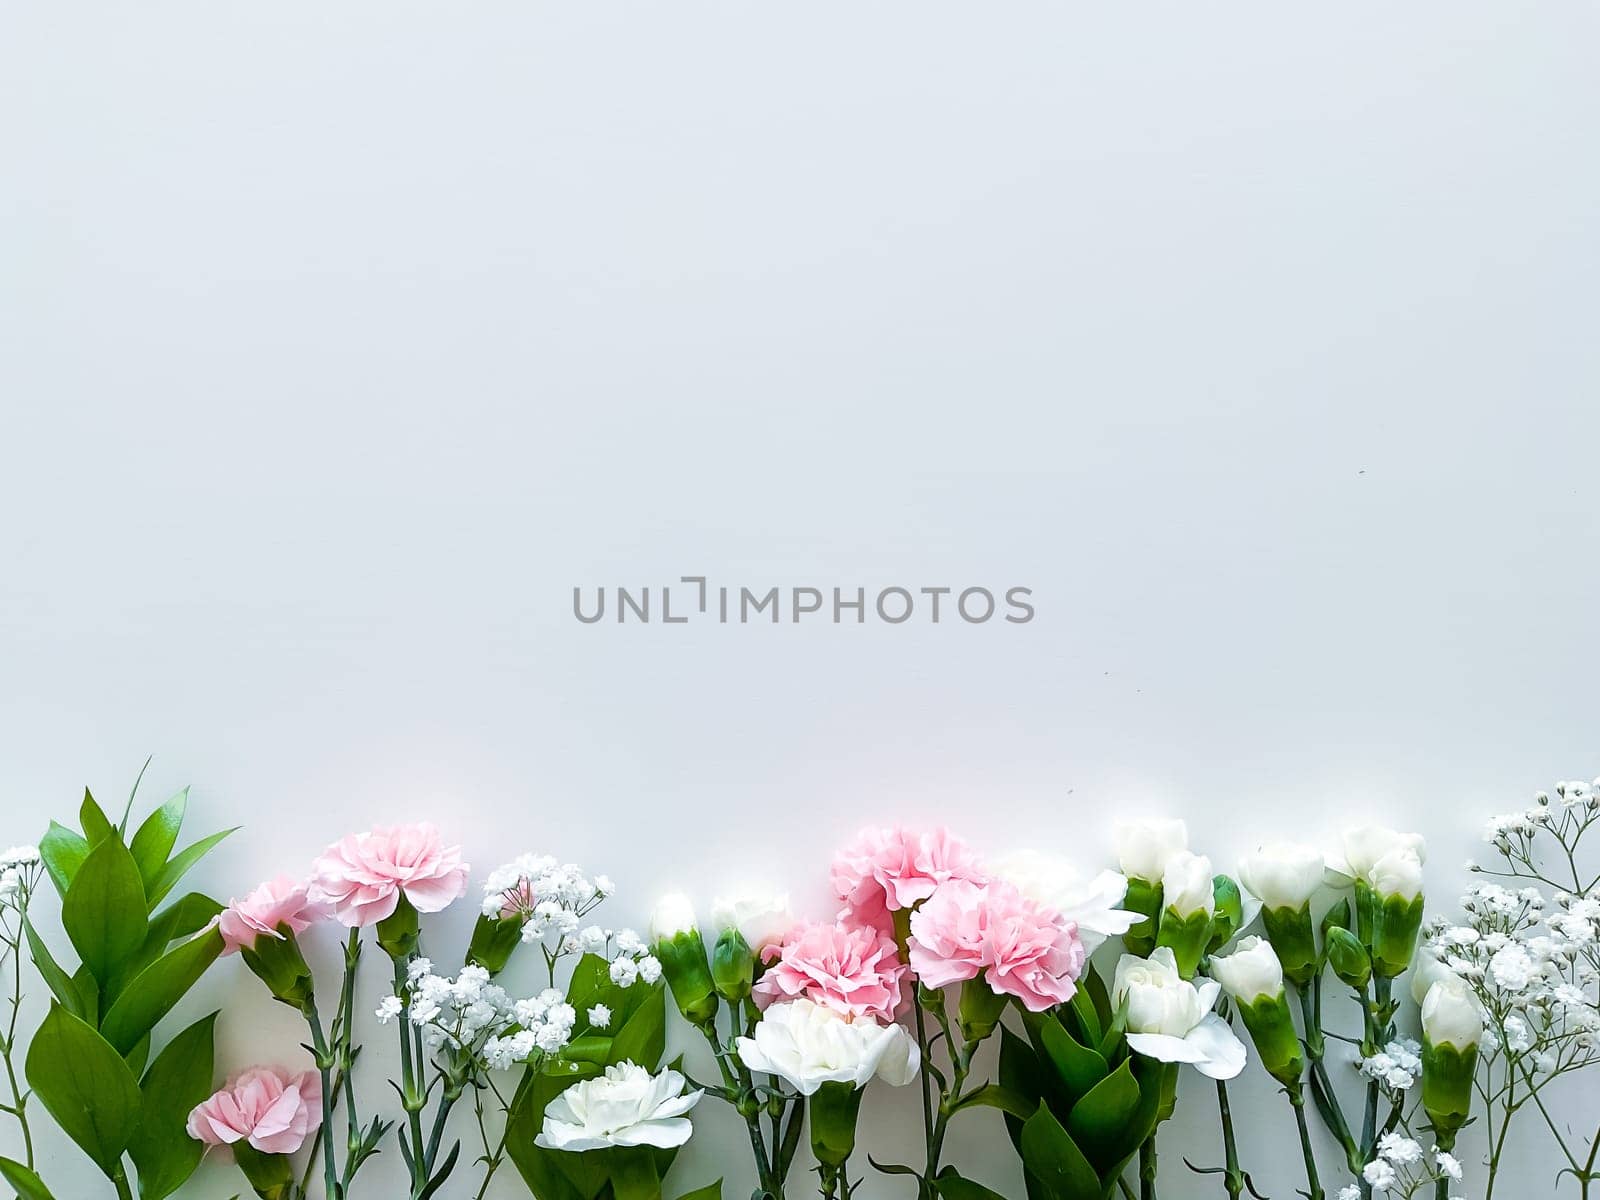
(326, 1059)
(19, 1098)
(1147, 1168)
(1232, 1176)
(1297, 1098)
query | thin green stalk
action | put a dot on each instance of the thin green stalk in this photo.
(1232, 1175)
(19, 1098)
(326, 1059)
(1147, 1168)
(410, 1093)
(120, 1180)
(1297, 1098)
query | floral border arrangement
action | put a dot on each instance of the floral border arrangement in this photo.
(1322, 962)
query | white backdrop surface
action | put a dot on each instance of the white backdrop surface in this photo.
(338, 343)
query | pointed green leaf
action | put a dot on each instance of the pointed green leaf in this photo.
(85, 1085)
(96, 825)
(176, 1082)
(992, 1095)
(1051, 1156)
(711, 1191)
(155, 990)
(1098, 1122)
(104, 910)
(127, 809)
(1078, 1067)
(24, 1182)
(952, 1186)
(182, 863)
(61, 985)
(63, 851)
(157, 836)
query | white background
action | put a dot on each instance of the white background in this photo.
(339, 342)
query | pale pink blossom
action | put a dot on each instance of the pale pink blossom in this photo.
(886, 870)
(272, 1109)
(1019, 946)
(278, 902)
(362, 876)
(854, 970)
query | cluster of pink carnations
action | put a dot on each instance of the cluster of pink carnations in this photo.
(960, 922)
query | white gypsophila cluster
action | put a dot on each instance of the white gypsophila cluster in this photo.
(547, 896)
(553, 900)
(1397, 1066)
(544, 1025)
(478, 1019)
(18, 866)
(1527, 949)
(1402, 1169)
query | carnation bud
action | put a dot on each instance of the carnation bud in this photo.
(1189, 895)
(1389, 923)
(1451, 1028)
(1253, 977)
(1349, 958)
(279, 964)
(682, 953)
(1145, 847)
(1228, 909)
(980, 1009)
(733, 965)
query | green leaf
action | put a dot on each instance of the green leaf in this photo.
(1099, 1122)
(85, 1085)
(182, 863)
(63, 851)
(540, 1169)
(1078, 1067)
(711, 1191)
(24, 1182)
(633, 1173)
(643, 1039)
(181, 919)
(992, 1095)
(61, 985)
(156, 989)
(157, 836)
(952, 1186)
(96, 825)
(176, 1082)
(127, 809)
(104, 910)
(1051, 1156)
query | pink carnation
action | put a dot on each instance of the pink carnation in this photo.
(268, 1107)
(281, 901)
(363, 876)
(886, 870)
(855, 971)
(1019, 946)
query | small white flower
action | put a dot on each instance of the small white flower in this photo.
(390, 1008)
(624, 971)
(600, 1017)
(650, 969)
(1380, 1175)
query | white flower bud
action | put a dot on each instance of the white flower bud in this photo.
(1451, 1016)
(761, 918)
(1186, 884)
(1398, 873)
(1143, 847)
(1250, 972)
(674, 915)
(1283, 874)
